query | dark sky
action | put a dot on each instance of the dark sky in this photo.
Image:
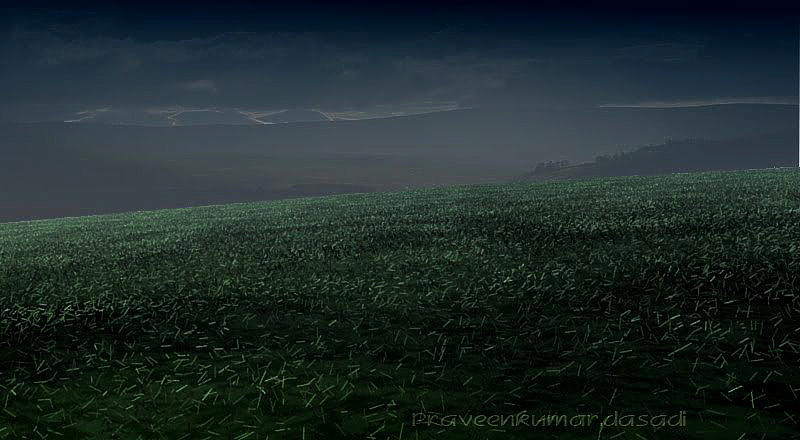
(73, 56)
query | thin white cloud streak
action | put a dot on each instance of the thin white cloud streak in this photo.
(770, 100)
(322, 113)
(89, 114)
(170, 115)
(174, 122)
(254, 117)
(80, 119)
(389, 111)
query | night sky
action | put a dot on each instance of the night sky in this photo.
(67, 58)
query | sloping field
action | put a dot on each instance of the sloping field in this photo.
(661, 307)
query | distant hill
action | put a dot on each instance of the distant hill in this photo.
(677, 156)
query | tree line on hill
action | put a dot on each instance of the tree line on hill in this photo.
(683, 155)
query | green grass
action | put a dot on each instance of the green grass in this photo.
(340, 317)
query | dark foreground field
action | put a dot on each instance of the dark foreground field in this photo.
(665, 307)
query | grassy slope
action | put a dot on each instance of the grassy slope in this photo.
(339, 317)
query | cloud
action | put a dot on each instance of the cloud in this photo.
(462, 75)
(772, 100)
(335, 60)
(350, 74)
(670, 52)
(287, 69)
(176, 115)
(84, 115)
(53, 46)
(237, 46)
(387, 111)
(56, 55)
(340, 70)
(206, 85)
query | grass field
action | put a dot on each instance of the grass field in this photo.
(365, 316)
